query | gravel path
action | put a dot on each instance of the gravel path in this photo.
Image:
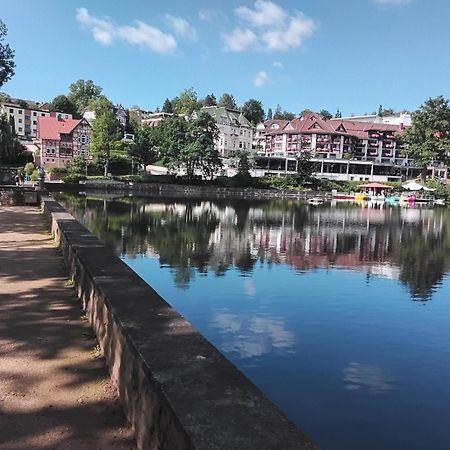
(55, 392)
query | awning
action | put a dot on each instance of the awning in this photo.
(414, 186)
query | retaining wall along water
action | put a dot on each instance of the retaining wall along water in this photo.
(178, 391)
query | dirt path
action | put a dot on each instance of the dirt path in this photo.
(55, 392)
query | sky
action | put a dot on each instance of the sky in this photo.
(351, 54)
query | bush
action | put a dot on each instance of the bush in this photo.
(34, 175)
(29, 169)
(73, 178)
(57, 170)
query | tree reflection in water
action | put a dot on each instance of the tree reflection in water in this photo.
(198, 236)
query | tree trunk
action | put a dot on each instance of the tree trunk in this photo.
(106, 168)
(423, 174)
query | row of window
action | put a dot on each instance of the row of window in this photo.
(20, 111)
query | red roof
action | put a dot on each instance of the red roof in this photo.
(52, 128)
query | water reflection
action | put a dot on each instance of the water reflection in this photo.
(357, 376)
(253, 336)
(195, 237)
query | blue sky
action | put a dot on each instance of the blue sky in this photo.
(350, 54)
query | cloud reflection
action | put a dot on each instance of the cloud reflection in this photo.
(252, 337)
(358, 376)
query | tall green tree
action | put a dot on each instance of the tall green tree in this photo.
(227, 101)
(82, 92)
(210, 100)
(145, 146)
(190, 145)
(62, 103)
(428, 138)
(269, 115)
(253, 111)
(305, 167)
(106, 136)
(7, 64)
(100, 105)
(11, 150)
(338, 114)
(326, 114)
(167, 107)
(187, 102)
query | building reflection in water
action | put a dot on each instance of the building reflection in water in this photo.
(197, 236)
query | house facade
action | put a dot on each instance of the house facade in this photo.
(235, 131)
(341, 149)
(60, 140)
(26, 118)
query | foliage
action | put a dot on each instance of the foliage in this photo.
(186, 103)
(144, 148)
(82, 92)
(100, 105)
(326, 114)
(34, 175)
(283, 183)
(57, 170)
(305, 167)
(227, 101)
(338, 114)
(210, 100)
(253, 111)
(305, 111)
(269, 115)
(384, 112)
(11, 150)
(119, 165)
(73, 178)
(29, 168)
(428, 139)
(106, 134)
(7, 64)
(62, 103)
(243, 177)
(189, 145)
(77, 165)
(167, 107)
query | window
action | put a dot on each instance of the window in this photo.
(42, 114)
(27, 117)
(34, 113)
(11, 110)
(34, 122)
(20, 120)
(20, 128)
(20, 111)
(83, 139)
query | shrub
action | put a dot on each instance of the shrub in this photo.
(29, 169)
(73, 178)
(34, 175)
(57, 170)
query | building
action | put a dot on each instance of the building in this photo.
(60, 140)
(403, 119)
(154, 119)
(26, 118)
(263, 128)
(342, 149)
(235, 131)
(118, 110)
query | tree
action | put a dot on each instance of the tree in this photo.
(106, 136)
(227, 101)
(210, 100)
(186, 103)
(428, 138)
(11, 150)
(77, 166)
(7, 64)
(82, 92)
(144, 149)
(61, 103)
(305, 167)
(167, 107)
(283, 115)
(325, 114)
(190, 145)
(100, 105)
(305, 111)
(253, 111)
(269, 115)
(338, 114)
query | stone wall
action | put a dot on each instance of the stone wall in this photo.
(17, 196)
(177, 390)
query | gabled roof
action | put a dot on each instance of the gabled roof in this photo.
(233, 116)
(52, 128)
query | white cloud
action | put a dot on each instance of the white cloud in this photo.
(260, 79)
(268, 27)
(278, 64)
(392, 2)
(105, 32)
(239, 40)
(181, 27)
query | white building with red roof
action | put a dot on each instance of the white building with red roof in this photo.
(59, 140)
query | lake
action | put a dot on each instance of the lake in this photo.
(339, 313)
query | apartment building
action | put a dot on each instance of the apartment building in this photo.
(118, 110)
(341, 149)
(26, 118)
(235, 131)
(59, 140)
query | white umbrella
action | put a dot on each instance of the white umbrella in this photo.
(414, 186)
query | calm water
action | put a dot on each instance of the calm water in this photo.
(339, 314)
